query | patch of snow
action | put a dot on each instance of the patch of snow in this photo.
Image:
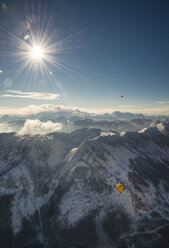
(71, 153)
(106, 133)
(143, 130)
(161, 127)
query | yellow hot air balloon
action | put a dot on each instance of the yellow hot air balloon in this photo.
(120, 187)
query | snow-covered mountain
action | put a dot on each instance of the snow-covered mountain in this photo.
(59, 189)
(117, 125)
(68, 120)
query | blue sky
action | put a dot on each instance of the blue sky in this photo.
(105, 48)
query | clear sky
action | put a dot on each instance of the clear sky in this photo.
(85, 54)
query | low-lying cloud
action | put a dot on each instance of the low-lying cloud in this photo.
(38, 127)
(5, 128)
(31, 95)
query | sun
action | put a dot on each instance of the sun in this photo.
(37, 52)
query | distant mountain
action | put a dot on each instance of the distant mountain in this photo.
(71, 120)
(59, 189)
(126, 115)
(73, 115)
(117, 125)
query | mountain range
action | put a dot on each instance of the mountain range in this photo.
(70, 120)
(59, 189)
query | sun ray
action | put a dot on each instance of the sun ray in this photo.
(37, 51)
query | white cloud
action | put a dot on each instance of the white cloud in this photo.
(163, 102)
(44, 108)
(4, 128)
(38, 127)
(31, 95)
(132, 109)
(35, 109)
(125, 106)
(146, 110)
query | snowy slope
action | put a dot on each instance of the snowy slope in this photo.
(59, 190)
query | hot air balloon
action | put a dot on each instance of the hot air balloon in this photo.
(120, 187)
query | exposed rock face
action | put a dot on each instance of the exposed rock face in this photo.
(59, 190)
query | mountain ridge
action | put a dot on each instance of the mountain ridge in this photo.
(61, 189)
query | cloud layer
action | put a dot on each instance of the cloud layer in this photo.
(163, 102)
(35, 109)
(38, 127)
(5, 128)
(44, 108)
(31, 95)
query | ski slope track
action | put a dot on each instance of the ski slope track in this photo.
(59, 190)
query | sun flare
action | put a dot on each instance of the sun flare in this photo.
(37, 52)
